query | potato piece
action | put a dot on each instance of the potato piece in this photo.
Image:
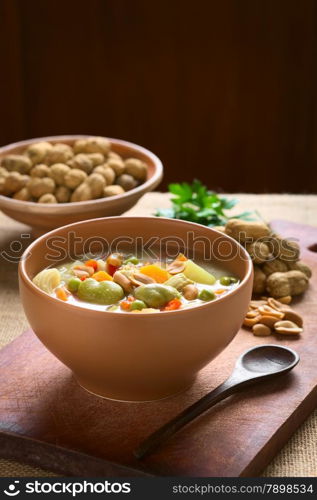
(17, 163)
(62, 194)
(242, 230)
(59, 153)
(259, 251)
(92, 145)
(82, 162)
(126, 181)
(112, 191)
(289, 283)
(47, 198)
(74, 178)
(82, 193)
(97, 183)
(58, 172)
(14, 181)
(39, 186)
(259, 281)
(196, 273)
(136, 168)
(23, 195)
(38, 151)
(274, 266)
(40, 170)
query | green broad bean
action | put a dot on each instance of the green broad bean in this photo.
(227, 280)
(73, 284)
(103, 292)
(206, 295)
(156, 295)
(131, 260)
(137, 305)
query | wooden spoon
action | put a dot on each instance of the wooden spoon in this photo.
(257, 364)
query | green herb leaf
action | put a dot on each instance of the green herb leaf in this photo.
(195, 203)
(165, 212)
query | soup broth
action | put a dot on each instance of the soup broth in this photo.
(126, 283)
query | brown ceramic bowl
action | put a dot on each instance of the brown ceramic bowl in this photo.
(141, 356)
(43, 217)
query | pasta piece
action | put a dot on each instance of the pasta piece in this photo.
(48, 279)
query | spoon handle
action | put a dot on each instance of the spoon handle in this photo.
(163, 433)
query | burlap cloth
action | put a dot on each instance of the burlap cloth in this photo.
(299, 456)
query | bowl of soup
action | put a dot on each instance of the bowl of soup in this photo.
(52, 181)
(135, 306)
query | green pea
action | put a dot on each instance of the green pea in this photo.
(227, 280)
(103, 292)
(206, 295)
(137, 304)
(73, 284)
(131, 260)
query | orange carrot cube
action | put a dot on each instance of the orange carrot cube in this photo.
(102, 276)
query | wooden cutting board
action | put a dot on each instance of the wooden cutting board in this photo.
(48, 420)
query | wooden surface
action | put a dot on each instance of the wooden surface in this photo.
(221, 90)
(40, 399)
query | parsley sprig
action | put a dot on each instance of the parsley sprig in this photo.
(195, 203)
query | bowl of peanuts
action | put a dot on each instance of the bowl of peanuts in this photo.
(52, 181)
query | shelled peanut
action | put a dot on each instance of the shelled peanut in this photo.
(268, 315)
(62, 173)
(277, 268)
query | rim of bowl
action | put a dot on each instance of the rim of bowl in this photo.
(23, 274)
(54, 208)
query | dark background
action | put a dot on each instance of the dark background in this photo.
(224, 90)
